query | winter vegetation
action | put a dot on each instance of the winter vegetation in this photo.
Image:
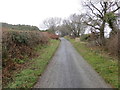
(19, 50)
(92, 25)
(87, 32)
(26, 50)
(104, 63)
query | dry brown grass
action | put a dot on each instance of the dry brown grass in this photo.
(51, 35)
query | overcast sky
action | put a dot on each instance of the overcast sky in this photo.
(33, 12)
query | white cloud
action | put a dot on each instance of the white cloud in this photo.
(33, 12)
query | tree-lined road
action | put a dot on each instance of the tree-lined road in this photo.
(68, 69)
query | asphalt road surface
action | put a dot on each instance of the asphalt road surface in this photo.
(68, 69)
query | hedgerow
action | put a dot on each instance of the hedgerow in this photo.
(18, 48)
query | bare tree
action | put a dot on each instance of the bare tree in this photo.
(52, 23)
(63, 30)
(67, 26)
(75, 24)
(98, 16)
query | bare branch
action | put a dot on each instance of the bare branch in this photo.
(116, 9)
(111, 4)
(91, 25)
(97, 9)
(89, 16)
(116, 4)
(91, 10)
(101, 4)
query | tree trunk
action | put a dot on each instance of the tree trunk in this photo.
(102, 38)
(114, 29)
(78, 33)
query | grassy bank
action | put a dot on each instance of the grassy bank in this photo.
(27, 77)
(104, 65)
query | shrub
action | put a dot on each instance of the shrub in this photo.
(85, 37)
(112, 45)
(21, 43)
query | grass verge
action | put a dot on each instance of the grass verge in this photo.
(104, 65)
(27, 77)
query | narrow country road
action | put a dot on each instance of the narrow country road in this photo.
(68, 69)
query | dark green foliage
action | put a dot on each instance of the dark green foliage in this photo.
(110, 17)
(21, 38)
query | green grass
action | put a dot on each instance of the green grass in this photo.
(104, 65)
(26, 78)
